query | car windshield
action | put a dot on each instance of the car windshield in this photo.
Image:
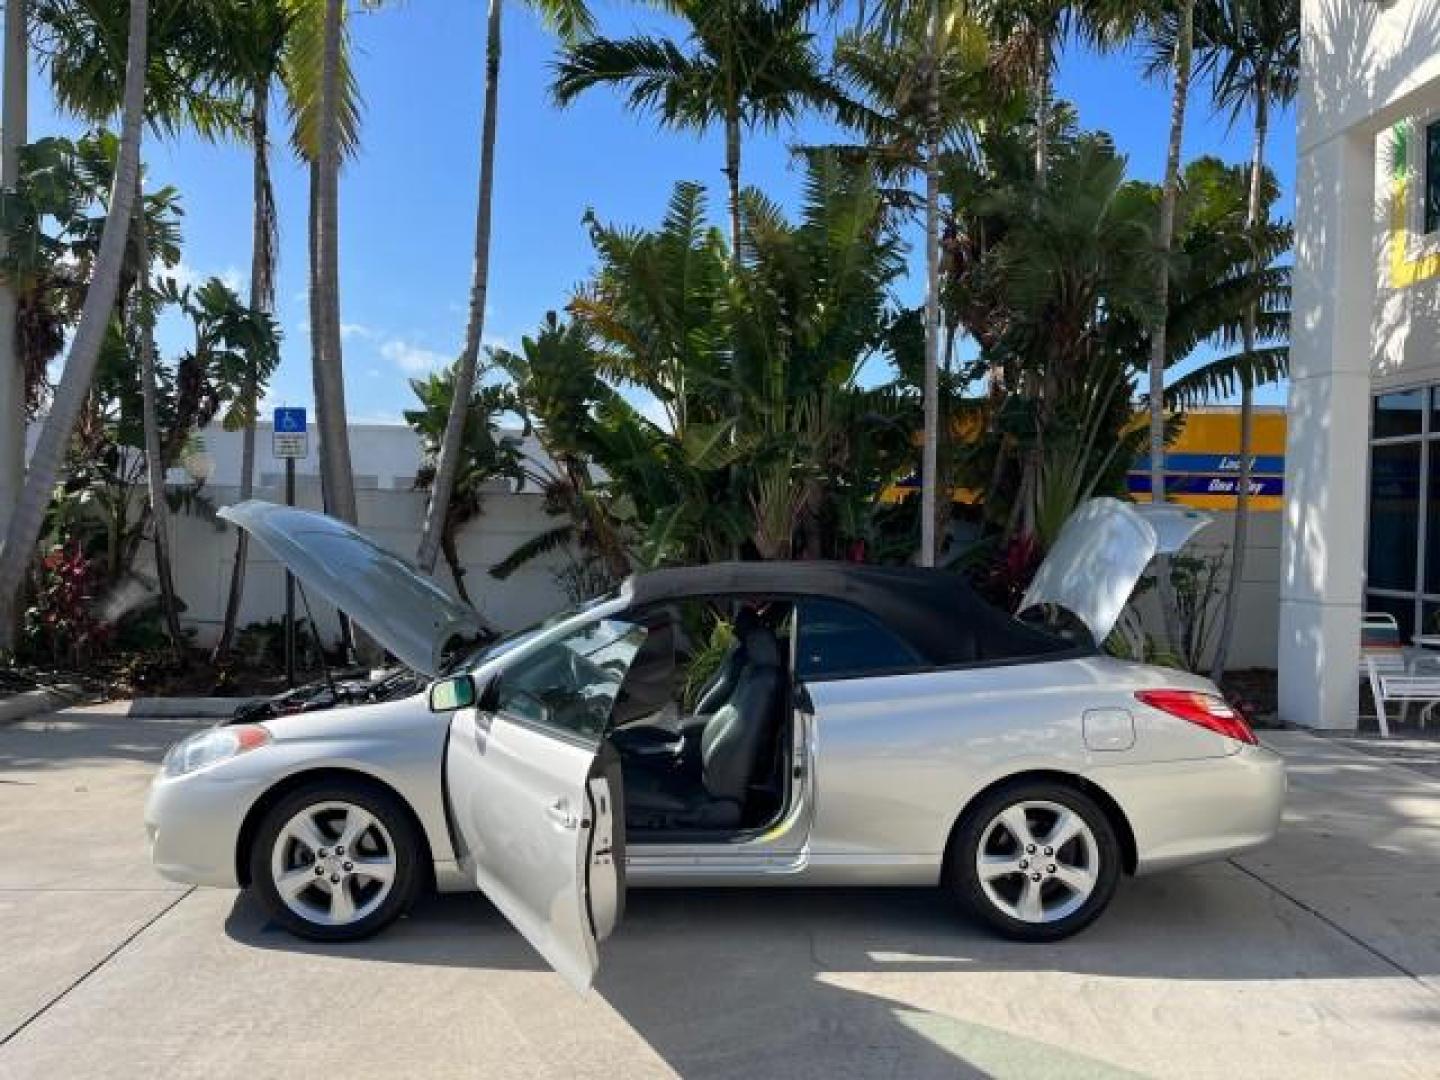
(492, 650)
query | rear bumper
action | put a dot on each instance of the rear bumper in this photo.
(1185, 812)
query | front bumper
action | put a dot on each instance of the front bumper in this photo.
(193, 824)
(1185, 812)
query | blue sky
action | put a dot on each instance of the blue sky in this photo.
(408, 198)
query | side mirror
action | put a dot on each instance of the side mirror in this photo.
(456, 692)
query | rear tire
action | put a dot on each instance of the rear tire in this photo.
(337, 860)
(1036, 861)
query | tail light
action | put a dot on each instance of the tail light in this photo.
(1207, 710)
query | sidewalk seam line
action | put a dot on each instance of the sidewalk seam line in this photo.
(1333, 925)
(43, 1009)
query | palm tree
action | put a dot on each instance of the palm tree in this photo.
(45, 462)
(896, 20)
(570, 19)
(1174, 49)
(1251, 51)
(12, 371)
(324, 104)
(1173, 39)
(258, 39)
(154, 459)
(184, 49)
(337, 478)
(743, 64)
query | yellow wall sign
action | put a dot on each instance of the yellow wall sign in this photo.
(1202, 465)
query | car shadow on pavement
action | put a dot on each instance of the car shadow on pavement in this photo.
(736, 982)
(836, 982)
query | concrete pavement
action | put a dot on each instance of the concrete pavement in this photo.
(1319, 956)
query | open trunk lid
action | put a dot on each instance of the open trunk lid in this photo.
(1100, 554)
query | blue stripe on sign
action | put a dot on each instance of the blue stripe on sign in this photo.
(1215, 463)
(1207, 485)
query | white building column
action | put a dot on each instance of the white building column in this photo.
(1326, 458)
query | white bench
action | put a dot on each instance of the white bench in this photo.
(1391, 683)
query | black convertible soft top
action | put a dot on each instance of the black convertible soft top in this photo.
(935, 611)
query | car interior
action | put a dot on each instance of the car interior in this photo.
(702, 722)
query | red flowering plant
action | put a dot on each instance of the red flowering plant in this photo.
(1007, 578)
(61, 623)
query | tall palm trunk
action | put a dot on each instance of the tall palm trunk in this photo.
(47, 460)
(1247, 398)
(1184, 46)
(929, 460)
(732, 177)
(150, 423)
(262, 295)
(336, 477)
(1042, 108)
(13, 127)
(448, 466)
(452, 559)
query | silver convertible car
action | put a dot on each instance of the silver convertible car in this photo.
(733, 724)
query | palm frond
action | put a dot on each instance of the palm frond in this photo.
(1225, 376)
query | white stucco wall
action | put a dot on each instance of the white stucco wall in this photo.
(385, 458)
(204, 552)
(1365, 65)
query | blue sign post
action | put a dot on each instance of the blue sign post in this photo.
(290, 439)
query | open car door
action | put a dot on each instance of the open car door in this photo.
(536, 794)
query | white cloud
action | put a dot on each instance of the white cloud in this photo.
(187, 276)
(357, 330)
(412, 359)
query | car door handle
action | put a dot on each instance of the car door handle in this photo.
(563, 815)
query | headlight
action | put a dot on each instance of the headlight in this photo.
(208, 747)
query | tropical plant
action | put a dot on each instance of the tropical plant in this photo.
(45, 460)
(1053, 283)
(61, 624)
(487, 455)
(571, 20)
(742, 64)
(797, 462)
(559, 390)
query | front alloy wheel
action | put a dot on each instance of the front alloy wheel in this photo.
(1038, 862)
(336, 861)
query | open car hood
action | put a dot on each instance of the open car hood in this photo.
(1100, 554)
(399, 607)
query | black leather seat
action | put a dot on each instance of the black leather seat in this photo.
(735, 741)
(722, 686)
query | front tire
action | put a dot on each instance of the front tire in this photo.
(1036, 861)
(336, 860)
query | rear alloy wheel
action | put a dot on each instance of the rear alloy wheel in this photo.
(336, 861)
(1037, 861)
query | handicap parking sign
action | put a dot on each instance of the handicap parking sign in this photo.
(289, 438)
(290, 421)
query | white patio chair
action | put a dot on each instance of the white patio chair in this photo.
(1395, 673)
